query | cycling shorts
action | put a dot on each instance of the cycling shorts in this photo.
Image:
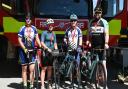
(101, 53)
(47, 59)
(23, 58)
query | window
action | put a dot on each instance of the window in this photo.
(62, 7)
(15, 7)
(6, 4)
(114, 7)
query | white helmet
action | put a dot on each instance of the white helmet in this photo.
(50, 21)
(73, 17)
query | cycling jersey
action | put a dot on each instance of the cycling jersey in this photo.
(73, 37)
(28, 36)
(97, 32)
(49, 38)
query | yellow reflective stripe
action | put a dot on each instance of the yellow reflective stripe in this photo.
(114, 27)
(11, 25)
(61, 32)
(1, 33)
(6, 6)
(123, 36)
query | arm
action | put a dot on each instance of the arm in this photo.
(55, 42)
(42, 42)
(21, 43)
(80, 38)
(66, 38)
(88, 33)
(20, 37)
(106, 34)
(38, 40)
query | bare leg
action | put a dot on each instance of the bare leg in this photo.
(49, 72)
(49, 77)
(31, 69)
(24, 74)
(43, 75)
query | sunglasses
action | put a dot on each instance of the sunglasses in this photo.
(73, 20)
(50, 25)
(98, 12)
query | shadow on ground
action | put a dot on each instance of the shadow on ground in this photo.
(10, 69)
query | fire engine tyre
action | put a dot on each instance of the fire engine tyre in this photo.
(3, 48)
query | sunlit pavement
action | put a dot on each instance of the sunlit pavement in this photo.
(10, 77)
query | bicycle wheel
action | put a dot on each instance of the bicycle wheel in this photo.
(56, 73)
(100, 78)
(36, 75)
(72, 74)
(78, 75)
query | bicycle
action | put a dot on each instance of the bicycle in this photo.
(56, 54)
(69, 67)
(36, 74)
(92, 66)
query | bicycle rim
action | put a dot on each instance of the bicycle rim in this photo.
(36, 75)
(79, 77)
(100, 79)
(56, 74)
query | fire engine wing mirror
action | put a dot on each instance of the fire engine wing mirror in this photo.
(104, 6)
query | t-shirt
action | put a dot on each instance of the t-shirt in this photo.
(73, 37)
(49, 38)
(97, 30)
(28, 36)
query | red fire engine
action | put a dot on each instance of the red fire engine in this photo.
(13, 12)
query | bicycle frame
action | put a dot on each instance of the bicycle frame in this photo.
(93, 63)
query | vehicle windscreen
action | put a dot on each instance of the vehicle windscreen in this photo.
(62, 7)
(114, 7)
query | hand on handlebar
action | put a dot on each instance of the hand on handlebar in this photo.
(79, 50)
(88, 43)
(49, 50)
(106, 46)
(25, 50)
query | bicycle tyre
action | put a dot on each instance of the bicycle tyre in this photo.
(79, 77)
(72, 75)
(56, 74)
(36, 75)
(100, 77)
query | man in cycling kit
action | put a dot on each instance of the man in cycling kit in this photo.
(26, 38)
(98, 34)
(73, 37)
(48, 41)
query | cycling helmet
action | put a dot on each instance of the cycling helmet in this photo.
(50, 21)
(98, 10)
(73, 17)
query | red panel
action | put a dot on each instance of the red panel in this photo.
(113, 40)
(13, 38)
(60, 24)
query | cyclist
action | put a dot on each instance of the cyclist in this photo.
(48, 41)
(73, 35)
(98, 35)
(26, 38)
(73, 38)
